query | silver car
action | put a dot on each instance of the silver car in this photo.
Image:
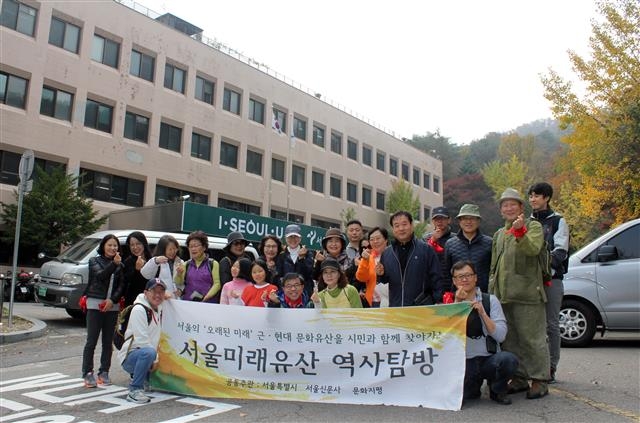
(602, 287)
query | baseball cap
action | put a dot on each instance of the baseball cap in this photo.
(152, 283)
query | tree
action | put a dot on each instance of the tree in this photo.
(441, 148)
(509, 174)
(54, 213)
(605, 144)
(401, 198)
(347, 215)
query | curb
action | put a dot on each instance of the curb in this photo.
(37, 330)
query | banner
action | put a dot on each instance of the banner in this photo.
(411, 356)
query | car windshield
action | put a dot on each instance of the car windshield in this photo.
(77, 252)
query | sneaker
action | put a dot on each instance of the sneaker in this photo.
(138, 397)
(103, 378)
(90, 380)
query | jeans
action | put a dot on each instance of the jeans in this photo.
(554, 301)
(99, 322)
(497, 369)
(138, 363)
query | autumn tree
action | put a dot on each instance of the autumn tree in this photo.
(401, 197)
(500, 175)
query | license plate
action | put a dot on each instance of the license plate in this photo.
(42, 291)
(23, 289)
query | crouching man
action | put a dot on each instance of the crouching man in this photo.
(486, 329)
(138, 354)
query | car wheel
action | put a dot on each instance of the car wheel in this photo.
(577, 324)
(75, 313)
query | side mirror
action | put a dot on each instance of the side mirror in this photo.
(41, 255)
(607, 253)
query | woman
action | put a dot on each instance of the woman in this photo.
(140, 254)
(334, 246)
(334, 289)
(269, 248)
(164, 261)
(198, 279)
(103, 292)
(234, 250)
(369, 259)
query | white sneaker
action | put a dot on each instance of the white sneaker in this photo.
(138, 397)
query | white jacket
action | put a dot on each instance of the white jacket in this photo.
(139, 333)
(150, 270)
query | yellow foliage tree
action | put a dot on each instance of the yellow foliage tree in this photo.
(500, 175)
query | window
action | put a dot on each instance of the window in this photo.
(380, 161)
(297, 176)
(142, 65)
(352, 149)
(13, 90)
(335, 187)
(380, 201)
(256, 111)
(277, 169)
(111, 188)
(204, 90)
(174, 78)
(170, 137)
(237, 205)
(317, 181)
(427, 214)
(136, 127)
(200, 146)
(48, 166)
(105, 51)
(366, 196)
(56, 103)
(336, 143)
(367, 155)
(254, 162)
(18, 16)
(405, 171)
(279, 120)
(9, 167)
(290, 217)
(426, 181)
(436, 184)
(393, 166)
(228, 155)
(231, 101)
(352, 192)
(416, 176)
(64, 35)
(318, 136)
(326, 224)
(300, 128)
(98, 116)
(166, 194)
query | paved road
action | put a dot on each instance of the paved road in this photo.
(597, 384)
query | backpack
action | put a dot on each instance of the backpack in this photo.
(474, 325)
(123, 322)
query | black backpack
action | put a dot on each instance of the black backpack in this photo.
(123, 322)
(474, 324)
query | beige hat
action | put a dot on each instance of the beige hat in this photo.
(469, 210)
(511, 194)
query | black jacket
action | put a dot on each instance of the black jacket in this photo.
(100, 271)
(478, 251)
(133, 279)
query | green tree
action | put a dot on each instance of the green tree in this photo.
(501, 175)
(347, 215)
(54, 213)
(401, 197)
(441, 148)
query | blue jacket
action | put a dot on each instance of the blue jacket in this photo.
(421, 274)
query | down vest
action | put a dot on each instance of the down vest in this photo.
(478, 251)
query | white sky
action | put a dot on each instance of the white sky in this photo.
(463, 67)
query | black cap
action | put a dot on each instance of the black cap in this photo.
(440, 211)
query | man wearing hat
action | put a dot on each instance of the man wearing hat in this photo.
(441, 233)
(234, 250)
(296, 258)
(468, 244)
(515, 278)
(138, 354)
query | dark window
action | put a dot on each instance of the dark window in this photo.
(380, 161)
(626, 242)
(318, 136)
(426, 181)
(105, 51)
(9, 167)
(366, 196)
(352, 149)
(174, 78)
(170, 137)
(231, 101)
(300, 128)
(405, 171)
(111, 188)
(18, 16)
(436, 184)
(335, 188)
(204, 90)
(317, 181)
(352, 192)
(237, 205)
(254, 162)
(64, 35)
(13, 90)
(321, 223)
(298, 176)
(282, 215)
(98, 116)
(56, 103)
(228, 155)
(48, 166)
(393, 166)
(166, 194)
(277, 169)
(380, 201)
(256, 111)
(427, 214)
(416, 176)
(367, 155)
(142, 65)
(279, 120)
(200, 146)
(336, 142)
(136, 127)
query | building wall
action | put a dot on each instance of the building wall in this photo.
(77, 146)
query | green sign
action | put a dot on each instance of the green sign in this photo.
(220, 222)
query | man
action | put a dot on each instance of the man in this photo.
(409, 266)
(296, 258)
(354, 235)
(496, 366)
(437, 239)
(292, 294)
(469, 244)
(556, 233)
(515, 279)
(138, 354)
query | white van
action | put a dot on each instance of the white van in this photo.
(64, 279)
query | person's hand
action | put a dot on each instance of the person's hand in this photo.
(106, 305)
(273, 297)
(366, 254)
(461, 295)
(161, 260)
(180, 268)
(139, 263)
(379, 269)
(319, 256)
(478, 306)
(519, 222)
(235, 293)
(117, 259)
(315, 297)
(437, 234)
(303, 251)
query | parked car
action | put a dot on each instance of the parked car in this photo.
(64, 278)
(602, 287)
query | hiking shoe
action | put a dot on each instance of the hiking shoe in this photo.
(538, 390)
(90, 380)
(103, 378)
(516, 386)
(500, 398)
(138, 397)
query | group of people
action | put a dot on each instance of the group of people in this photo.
(352, 270)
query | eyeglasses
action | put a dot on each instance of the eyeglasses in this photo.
(238, 243)
(464, 277)
(293, 286)
(269, 246)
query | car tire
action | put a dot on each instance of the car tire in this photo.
(577, 324)
(75, 313)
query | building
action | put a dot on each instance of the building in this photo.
(149, 110)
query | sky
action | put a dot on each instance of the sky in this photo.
(463, 68)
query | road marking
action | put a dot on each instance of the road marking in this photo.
(597, 404)
(213, 409)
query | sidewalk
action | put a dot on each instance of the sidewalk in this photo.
(37, 329)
